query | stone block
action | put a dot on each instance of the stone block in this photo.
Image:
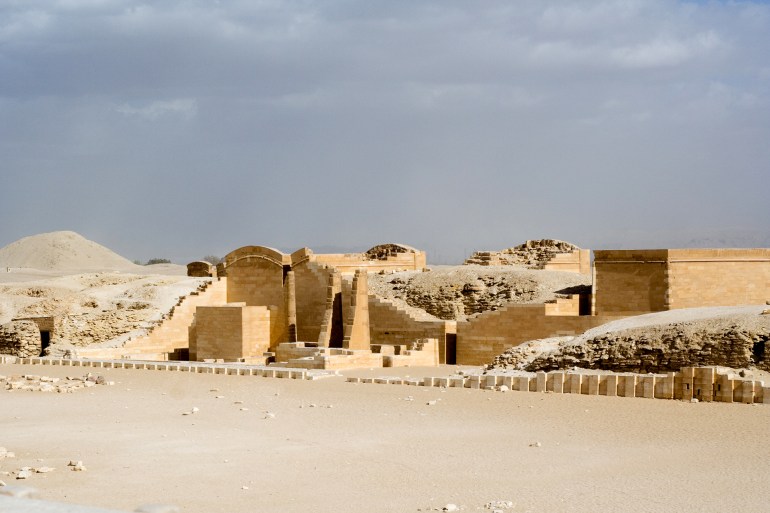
(574, 383)
(592, 384)
(555, 382)
(627, 385)
(608, 385)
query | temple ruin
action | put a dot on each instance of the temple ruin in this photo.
(314, 311)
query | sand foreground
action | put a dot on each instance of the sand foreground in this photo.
(340, 447)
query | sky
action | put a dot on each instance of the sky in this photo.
(182, 129)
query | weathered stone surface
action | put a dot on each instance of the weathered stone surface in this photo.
(459, 292)
(20, 338)
(534, 254)
(729, 342)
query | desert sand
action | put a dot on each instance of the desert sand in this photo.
(341, 447)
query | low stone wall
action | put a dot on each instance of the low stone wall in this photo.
(694, 384)
(233, 369)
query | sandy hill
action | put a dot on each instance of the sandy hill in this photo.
(62, 251)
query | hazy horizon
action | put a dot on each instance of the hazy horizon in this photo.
(186, 129)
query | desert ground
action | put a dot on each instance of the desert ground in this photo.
(266, 444)
(343, 447)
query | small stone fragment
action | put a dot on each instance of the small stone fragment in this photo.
(535, 444)
(24, 474)
(157, 508)
(43, 470)
(433, 403)
(450, 507)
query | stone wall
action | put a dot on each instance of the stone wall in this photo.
(393, 326)
(629, 282)
(697, 384)
(255, 276)
(634, 282)
(385, 257)
(481, 338)
(311, 286)
(200, 269)
(355, 301)
(230, 332)
(20, 338)
(718, 277)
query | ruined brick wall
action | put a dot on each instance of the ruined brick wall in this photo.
(576, 261)
(550, 254)
(20, 338)
(489, 334)
(200, 269)
(385, 257)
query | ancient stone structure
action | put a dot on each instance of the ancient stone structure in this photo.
(549, 254)
(695, 384)
(633, 282)
(314, 311)
(201, 269)
(20, 338)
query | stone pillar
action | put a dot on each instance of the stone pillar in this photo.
(357, 321)
(290, 296)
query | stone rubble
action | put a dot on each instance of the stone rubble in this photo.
(457, 292)
(533, 254)
(35, 383)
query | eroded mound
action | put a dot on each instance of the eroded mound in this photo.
(62, 251)
(457, 292)
(736, 340)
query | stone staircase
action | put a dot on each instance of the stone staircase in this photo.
(169, 340)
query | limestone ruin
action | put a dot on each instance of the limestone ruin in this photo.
(384, 307)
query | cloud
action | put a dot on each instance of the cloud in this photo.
(182, 108)
(665, 52)
(347, 123)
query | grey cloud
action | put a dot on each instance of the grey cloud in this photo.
(178, 128)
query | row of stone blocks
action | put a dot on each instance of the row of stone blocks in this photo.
(194, 367)
(701, 383)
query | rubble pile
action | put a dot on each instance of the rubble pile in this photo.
(36, 383)
(457, 292)
(533, 254)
